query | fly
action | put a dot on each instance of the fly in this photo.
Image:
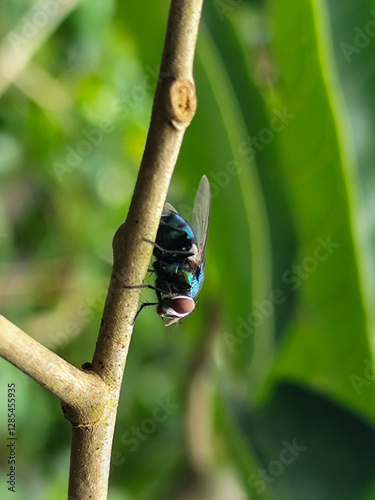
(179, 257)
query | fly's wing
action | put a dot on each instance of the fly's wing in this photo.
(168, 209)
(201, 216)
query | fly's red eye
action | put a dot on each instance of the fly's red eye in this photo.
(183, 305)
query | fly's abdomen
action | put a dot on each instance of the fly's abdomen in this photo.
(196, 282)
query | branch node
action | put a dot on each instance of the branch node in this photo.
(182, 103)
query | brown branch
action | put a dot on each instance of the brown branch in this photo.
(90, 397)
(173, 109)
(68, 383)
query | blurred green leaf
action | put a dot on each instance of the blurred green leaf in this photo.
(321, 349)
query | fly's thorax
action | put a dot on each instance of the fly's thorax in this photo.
(174, 235)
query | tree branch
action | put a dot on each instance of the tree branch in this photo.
(68, 383)
(90, 397)
(173, 109)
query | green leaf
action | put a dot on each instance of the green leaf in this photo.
(327, 338)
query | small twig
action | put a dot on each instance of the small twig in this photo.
(65, 381)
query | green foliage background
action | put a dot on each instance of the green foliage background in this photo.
(267, 390)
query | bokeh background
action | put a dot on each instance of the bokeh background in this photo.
(267, 390)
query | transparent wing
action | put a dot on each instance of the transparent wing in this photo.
(168, 209)
(201, 215)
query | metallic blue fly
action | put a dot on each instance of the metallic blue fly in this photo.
(179, 257)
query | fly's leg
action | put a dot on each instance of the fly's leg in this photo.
(185, 253)
(145, 304)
